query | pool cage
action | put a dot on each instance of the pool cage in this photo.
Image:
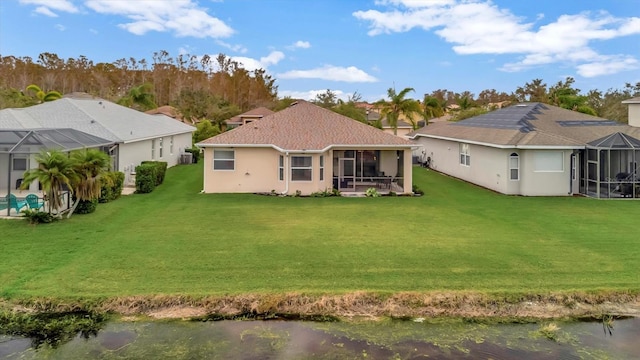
(610, 167)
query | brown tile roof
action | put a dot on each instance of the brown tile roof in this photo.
(253, 113)
(531, 124)
(304, 126)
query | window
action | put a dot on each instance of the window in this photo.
(224, 160)
(160, 147)
(20, 164)
(548, 161)
(514, 167)
(281, 168)
(153, 149)
(171, 145)
(465, 155)
(301, 168)
(321, 167)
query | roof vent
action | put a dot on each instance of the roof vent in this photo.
(293, 103)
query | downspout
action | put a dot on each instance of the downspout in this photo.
(573, 164)
(9, 185)
(286, 171)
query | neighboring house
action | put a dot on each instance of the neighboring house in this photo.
(171, 112)
(136, 136)
(306, 148)
(248, 117)
(404, 127)
(537, 149)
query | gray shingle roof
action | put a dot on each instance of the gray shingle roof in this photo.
(304, 126)
(94, 116)
(529, 124)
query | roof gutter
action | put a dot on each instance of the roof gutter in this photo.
(524, 147)
(305, 151)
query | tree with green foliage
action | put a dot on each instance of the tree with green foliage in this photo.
(399, 105)
(13, 98)
(139, 97)
(89, 165)
(204, 130)
(55, 170)
(327, 99)
(44, 96)
(564, 95)
(433, 108)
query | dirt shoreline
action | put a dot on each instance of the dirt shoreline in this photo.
(358, 305)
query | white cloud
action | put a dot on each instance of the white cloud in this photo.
(333, 73)
(607, 66)
(60, 27)
(43, 10)
(237, 48)
(301, 44)
(182, 17)
(47, 7)
(251, 64)
(481, 27)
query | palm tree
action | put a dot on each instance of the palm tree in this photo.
(42, 96)
(54, 171)
(432, 108)
(89, 165)
(398, 105)
(139, 97)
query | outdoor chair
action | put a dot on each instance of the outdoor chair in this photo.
(15, 203)
(34, 202)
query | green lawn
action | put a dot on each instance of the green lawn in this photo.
(456, 237)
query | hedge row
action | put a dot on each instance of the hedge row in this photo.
(150, 174)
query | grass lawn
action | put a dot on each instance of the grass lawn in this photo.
(456, 237)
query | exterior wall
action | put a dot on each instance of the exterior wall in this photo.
(489, 168)
(257, 170)
(401, 131)
(634, 115)
(132, 154)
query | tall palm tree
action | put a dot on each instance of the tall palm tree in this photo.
(432, 108)
(44, 96)
(89, 165)
(54, 171)
(398, 105)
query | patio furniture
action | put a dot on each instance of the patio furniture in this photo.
(34, 202)
(15, 203)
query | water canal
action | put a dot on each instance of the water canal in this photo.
(387, 339)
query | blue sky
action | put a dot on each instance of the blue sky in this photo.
(350, 45)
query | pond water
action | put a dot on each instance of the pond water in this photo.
(341, 340)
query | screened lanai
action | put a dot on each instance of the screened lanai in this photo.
(18, 147)
(610, 167)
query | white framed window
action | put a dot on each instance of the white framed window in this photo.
(224, 159)
(171, 145)
(321, 167)
(160, 147)
(20, 164)
(514, 167)
(153, 149)
(548, 161)
(301, 168)
(281, 168)
(465, 155)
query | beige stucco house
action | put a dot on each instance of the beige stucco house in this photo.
(248, 117)
(304, 149)
(535, 149)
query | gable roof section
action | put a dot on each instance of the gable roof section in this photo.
(528, 125)
(259, 112)
(96, 117)
(306, 127)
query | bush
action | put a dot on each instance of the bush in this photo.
(38, 217)
(417, 190)
(112, 184)
(86, 206)
(372, 192)
(145, 178)
(195, 152)
(161, 170)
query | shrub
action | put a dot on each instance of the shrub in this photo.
(145, 178)
(325, 193)
(112, 184)
(161, 170)
(372, 192)
(417, 190)
(38, 217)
(86, 206)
